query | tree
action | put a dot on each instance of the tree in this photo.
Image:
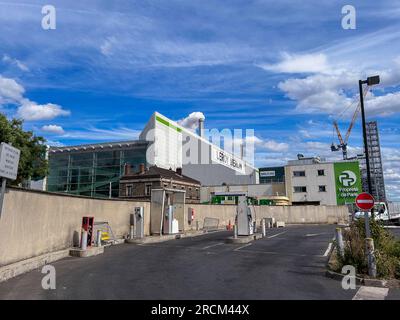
(32, 163)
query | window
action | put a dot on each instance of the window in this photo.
(321, 172)
(299, 173)
(300, 189)
(322, 188)
(129, 190)
(147, 190)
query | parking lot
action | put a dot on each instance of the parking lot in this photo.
(288, 264)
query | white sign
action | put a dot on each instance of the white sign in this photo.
(267, 173)
(9, 159)
(226, 159)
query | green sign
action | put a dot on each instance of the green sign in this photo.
(347, 181)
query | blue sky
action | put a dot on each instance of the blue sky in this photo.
(283, 68)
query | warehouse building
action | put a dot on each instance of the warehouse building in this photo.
(95, 170)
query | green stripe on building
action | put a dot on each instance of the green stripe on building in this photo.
(168, 124)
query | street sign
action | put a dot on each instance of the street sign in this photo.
(365, 201)
(9, 159)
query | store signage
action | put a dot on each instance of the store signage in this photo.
(267, 174)
(348, 182)
(228, 160)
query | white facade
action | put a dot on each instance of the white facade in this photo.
(173, 146)
(311, 183)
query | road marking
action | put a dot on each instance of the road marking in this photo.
(328, 250)
(279, 253)
(275, 235)
(246, 245)
(213, 245)
(371, 293)
(314, 234)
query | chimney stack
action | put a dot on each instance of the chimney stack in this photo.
(179, 171)
(201, 127)
(127, 169)
(141, 168)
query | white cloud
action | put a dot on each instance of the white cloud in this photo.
(276, 146)
(15, 62)
(10, 91)
(31, 111)
(299, 63)
(52, 128)
(192, 120)
(97, 134)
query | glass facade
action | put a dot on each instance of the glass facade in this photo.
(88, 170)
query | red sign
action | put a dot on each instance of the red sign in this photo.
(365, 201)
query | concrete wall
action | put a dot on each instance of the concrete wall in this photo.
(288, 214)
(34, 223)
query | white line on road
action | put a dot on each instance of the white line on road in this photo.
(275, 235)
(328, 250)
(371, 293)
(246, 245)
(213, 245)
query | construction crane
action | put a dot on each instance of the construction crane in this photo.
(343, 142)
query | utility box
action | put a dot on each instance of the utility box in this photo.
(87, 225)
(138, 222)
(244, 217)
(171, 225)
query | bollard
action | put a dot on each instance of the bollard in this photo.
(263, 229)
(132, 232)
(370, 251)
(84, 240)
(99, 238)
(254, 227)
(197, 225)
(235, 234)
(339, 240)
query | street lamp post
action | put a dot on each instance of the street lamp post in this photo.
(370, 82)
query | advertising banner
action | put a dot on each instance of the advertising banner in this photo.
(347, 181)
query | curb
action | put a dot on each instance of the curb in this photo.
(168, 237)
(15, 269)
(380, 283)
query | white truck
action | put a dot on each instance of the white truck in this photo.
(383, 211)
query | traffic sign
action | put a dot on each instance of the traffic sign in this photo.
(9, 159)
(365, 201)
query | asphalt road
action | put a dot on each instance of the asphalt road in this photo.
(288, 264)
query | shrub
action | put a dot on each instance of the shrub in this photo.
(387, 249)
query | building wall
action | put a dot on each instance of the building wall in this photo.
(311, 181)
(89, 171)
(34, 223)
(172, 146)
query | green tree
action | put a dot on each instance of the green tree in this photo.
(32, 164)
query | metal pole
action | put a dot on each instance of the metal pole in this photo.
(84, 240)
(235, 234)
(367, 229)
(99, 238)
(3, 191)
(339, 240)
(370, 248)
(263, 229)
(109, 191)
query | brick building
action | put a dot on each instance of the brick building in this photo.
(138, 185)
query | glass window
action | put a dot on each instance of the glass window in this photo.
(148, 189)
(321, 172)
(300, 189)
(129, 190)
(299, 173)
(322, 188)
